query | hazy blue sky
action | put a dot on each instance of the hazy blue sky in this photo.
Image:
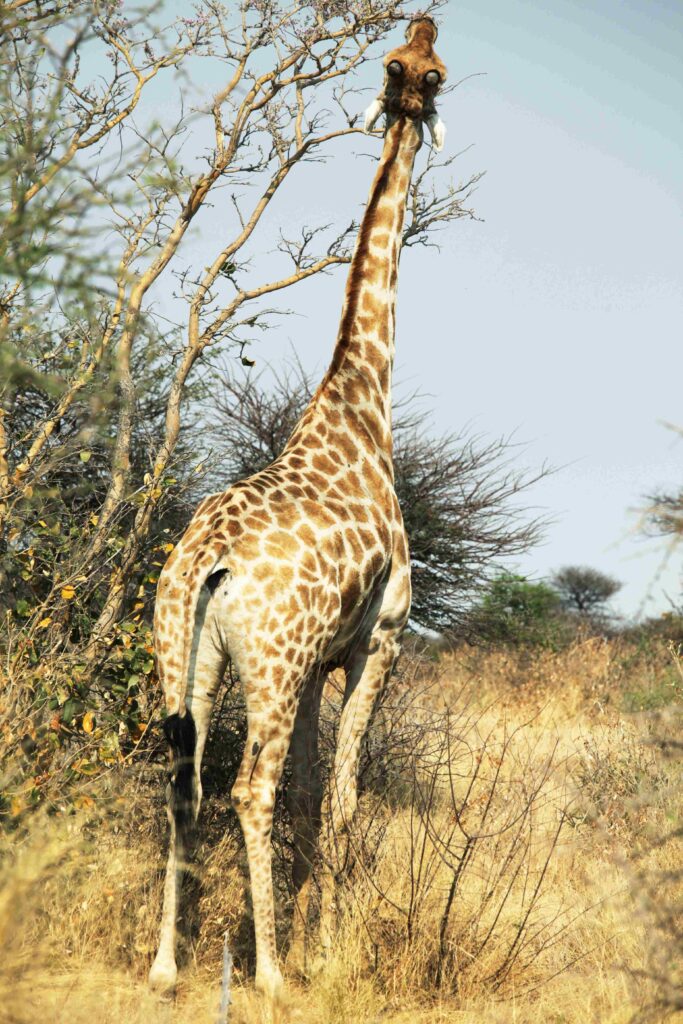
(569, 297)
(558, 315)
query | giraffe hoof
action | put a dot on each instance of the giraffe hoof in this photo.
(162, 978)
(318, 964)
(269, 982)
(296, 957)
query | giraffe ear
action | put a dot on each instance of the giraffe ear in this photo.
(437, 130)
(373, 114)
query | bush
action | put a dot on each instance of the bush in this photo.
(519, 612)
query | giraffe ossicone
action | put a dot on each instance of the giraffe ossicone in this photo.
(301, 568)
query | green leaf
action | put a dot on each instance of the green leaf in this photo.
(72, 708)
(85, 456)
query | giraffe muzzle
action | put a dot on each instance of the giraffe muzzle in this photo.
(436, 127)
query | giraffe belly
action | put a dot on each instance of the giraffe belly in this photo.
(359, 606)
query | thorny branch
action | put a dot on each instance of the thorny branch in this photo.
(104, 201)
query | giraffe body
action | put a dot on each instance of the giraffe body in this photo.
(299, 569)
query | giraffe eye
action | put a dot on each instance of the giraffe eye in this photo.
(394, 68)
(432, 78)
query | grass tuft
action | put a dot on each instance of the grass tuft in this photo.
(516, 856)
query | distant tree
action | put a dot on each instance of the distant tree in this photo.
(517, 611)
(583, 590)
(456, 493)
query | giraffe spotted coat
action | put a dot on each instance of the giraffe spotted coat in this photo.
(301, 568)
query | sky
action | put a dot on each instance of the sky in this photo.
(555, 315)
(569, 295)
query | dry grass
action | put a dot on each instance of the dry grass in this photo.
(565, 907)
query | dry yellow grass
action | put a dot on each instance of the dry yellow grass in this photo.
(563, 740)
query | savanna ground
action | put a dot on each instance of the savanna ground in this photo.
(516, 858)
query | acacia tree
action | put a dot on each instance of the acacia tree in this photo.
(457, 493)
(104, 193)
(583, 590)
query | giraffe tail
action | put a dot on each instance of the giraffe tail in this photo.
(179, 726)
(181, 735)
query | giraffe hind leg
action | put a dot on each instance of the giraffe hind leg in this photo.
(186, 735)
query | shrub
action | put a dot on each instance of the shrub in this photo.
(518, 611)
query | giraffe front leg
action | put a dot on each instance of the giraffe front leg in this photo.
(304, 798)
(367, 672)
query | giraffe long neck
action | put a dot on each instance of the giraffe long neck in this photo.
(365, 343)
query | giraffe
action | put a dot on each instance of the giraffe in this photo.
(303, 567)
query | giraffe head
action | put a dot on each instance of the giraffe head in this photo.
(413, 75)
